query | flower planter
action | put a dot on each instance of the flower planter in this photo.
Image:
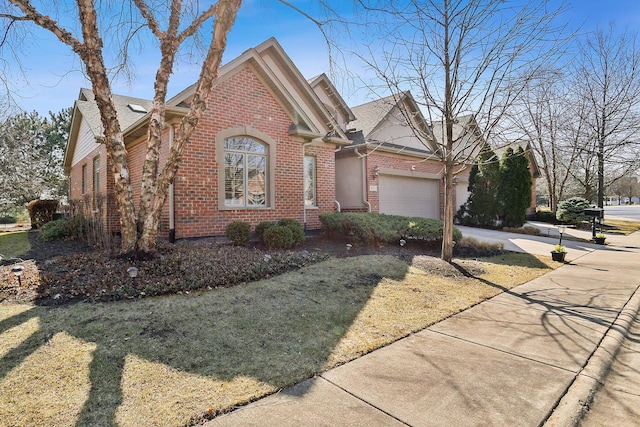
(558, 256)
(599, 240)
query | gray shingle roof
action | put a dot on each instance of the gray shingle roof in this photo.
(89, 109)
(370, 114)
(459, 128)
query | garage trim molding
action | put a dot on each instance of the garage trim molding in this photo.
(398, 172)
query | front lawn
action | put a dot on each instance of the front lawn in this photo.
(179, 359)
(14, 243)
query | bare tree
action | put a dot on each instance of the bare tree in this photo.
(163, 21)
(548, 115)
(607, 76)
(461, 57)
(627, 186)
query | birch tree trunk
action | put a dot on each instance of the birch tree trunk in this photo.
(139, 234)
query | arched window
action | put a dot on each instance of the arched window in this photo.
(245, 172)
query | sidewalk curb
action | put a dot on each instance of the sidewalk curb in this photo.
(578, 397)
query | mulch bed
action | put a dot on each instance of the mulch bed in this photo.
(59, 272)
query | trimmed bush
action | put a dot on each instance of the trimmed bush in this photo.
(372, 228)
(238, 232)
(8, 219)
(278, 237)
(261, 228)
(572, 210)
(471, 247)
(296, 229)
(55, 230)
(41, 212)
(546, 216)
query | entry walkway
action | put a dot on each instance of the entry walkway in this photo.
(530, 355)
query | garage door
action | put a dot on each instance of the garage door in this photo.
(462, 194)
(408, 196)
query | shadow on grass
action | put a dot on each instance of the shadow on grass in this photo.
(516, 259)
(277, 331)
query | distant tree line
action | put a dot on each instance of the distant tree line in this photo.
(31, 155)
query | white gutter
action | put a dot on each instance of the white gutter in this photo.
(364, 179)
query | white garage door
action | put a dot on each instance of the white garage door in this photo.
(408, 196)
(462, 194)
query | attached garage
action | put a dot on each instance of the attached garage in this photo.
(462, 194)
(409, 196)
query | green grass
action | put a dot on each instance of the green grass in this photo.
(14, 243)
(177, 359)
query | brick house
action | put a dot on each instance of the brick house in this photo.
(388, 169)
(263, 150)
(272, 145)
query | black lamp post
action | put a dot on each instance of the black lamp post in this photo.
(561, 230)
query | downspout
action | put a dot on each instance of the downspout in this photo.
(364, 179)
(304, 196)
(338, 207)
(172, 222)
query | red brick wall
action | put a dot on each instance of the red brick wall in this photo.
(242, 100)
(105, 200)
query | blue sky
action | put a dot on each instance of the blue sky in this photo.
(53, 80)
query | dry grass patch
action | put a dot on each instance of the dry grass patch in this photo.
(178, 359)
(620, 226)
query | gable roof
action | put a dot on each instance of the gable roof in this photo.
(272, 65)
(464, 128)
(85, 107)
(369, 115)
(338, 101)
(285, 82)
(373, 116)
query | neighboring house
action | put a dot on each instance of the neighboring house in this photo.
(534, 169)
(468, 140)
(263, 150)
(390, 170)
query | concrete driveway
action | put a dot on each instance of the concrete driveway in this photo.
(539, 245)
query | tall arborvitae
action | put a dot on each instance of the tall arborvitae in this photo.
(514, 195)
(482, 207)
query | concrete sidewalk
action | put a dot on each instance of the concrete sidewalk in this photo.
(530, 355)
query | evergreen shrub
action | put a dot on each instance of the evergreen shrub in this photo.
(238, 232)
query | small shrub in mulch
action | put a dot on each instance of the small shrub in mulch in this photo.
(527, 229)
(238, 232)
(179, 268)
(374, 228)
(261, 228)
(278, 237)
(473, 248)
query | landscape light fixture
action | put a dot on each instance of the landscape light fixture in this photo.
(403, 242)
(17, 270)
(349, 245)
(561, 230)
(133, 272)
